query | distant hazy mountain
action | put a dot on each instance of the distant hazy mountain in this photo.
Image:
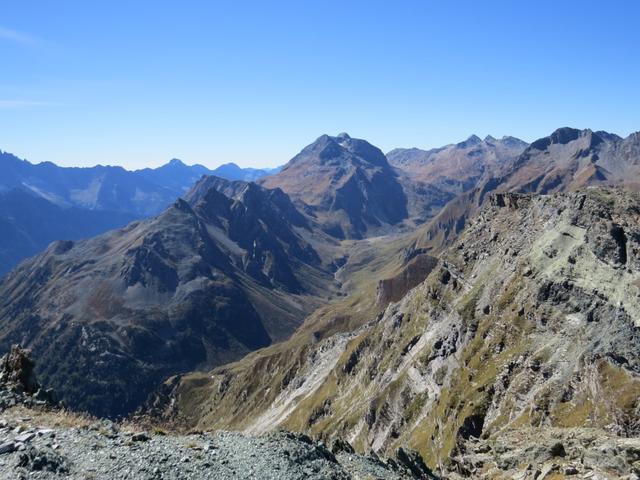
(28, 223)
(141, 192)
(44, 202)
(231, 171)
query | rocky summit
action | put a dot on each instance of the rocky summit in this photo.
(345, 183)
(56, 446)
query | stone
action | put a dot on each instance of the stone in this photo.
(140, 437)
(557, 450)
(546, 470)
(570, 470)
(7, 447)
(25, 437)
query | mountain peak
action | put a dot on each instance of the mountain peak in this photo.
(510, 141)
(175, 162)
(565, 135)
(348, 180)
(561, 136)
(230, 165)
(470, 142)
(343, 136)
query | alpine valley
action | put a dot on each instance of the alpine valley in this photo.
(470, 311)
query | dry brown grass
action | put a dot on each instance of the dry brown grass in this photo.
(49, 417)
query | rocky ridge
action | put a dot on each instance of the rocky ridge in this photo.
(567, 160)
(529, 320)
(549, 453)
(458, 167)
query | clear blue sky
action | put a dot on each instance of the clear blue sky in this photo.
(136, 83)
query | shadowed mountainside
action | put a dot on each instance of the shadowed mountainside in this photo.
(29, 223)
(199, 285)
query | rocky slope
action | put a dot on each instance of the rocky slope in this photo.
(346, 184)
(39, 440)
(570, 159)
(201, 284)
(529, 320)
(50, 445)
(546, 453)
(458, 167)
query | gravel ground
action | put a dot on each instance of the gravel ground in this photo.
(102, 450)
(41, 440)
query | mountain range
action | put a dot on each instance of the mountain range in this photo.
(201, 284)
(528, 319)
(430, 299)
(83, 202)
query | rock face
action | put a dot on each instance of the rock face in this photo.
(16, 371)
(199, 285)
(18, 383)
(530, 319)
(415, 271)
(346, 184)
(570, 159)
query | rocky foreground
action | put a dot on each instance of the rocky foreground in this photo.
(53, 444)
(30, 449)
(549, 453)
(38, 439)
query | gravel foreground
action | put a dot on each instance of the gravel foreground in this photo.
(41, 440)
(102, 450)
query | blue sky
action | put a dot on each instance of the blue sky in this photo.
(136, 83)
